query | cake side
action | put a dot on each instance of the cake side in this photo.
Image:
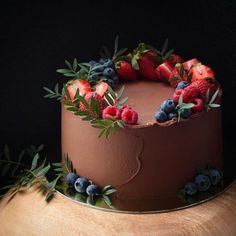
(144, 163)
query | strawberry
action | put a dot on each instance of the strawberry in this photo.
(203, 85)
(200, 71)
(198, 105)
(101, 88)
(188, 64)
(125, 71)
(164, 70)
(82, 85)
(88, 98)
(147, 65)
(176, 76)
(174, 59)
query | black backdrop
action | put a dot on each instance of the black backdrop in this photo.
(36, 38)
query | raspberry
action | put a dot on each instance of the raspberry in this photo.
(129, 116)
(198, 105)
(177, 94)
(96, 97)
(190, 92)
(111, 111)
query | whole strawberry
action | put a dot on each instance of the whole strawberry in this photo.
(164, 70)
(174, 59)
(203, 85)
(176, 76)
(125, 71)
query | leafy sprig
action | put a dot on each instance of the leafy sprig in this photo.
(209, 103)
(182, 106)
(30, 175)
(53, 94)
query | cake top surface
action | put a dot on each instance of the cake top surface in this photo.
(137, 88)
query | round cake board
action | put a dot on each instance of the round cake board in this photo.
(28, 214)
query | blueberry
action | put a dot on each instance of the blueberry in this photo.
(161, 116)
(71, 178)
(172, 115)
(108, 63)
(215, 176)
(109, 72)
(185, 113)
(102, 60)
(93, 190)
(115, 79)
(81, 184)
(92, 62)
(168, 106)
(97, 67)
(203, 182)
(181, 85)
(111, 83)
(95, 77)
(190, 188)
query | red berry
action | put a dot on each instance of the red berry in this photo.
(88, 98)
(175, 77)
(111, 111)
(82, 85)
(164, 70)
(147, 65)
(188, 64)
(191, 92)
(203, 85)
(125, 71)
(175, 59)
(129, 116)
(101, 88)
(177, 94)
(198, 105)
(200, 71)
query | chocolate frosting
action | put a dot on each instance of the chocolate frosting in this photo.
(148, 160)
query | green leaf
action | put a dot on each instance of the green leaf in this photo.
(181, 71)
(112, 93)
(72, 109)
(49, 196)
(7, 152)
(63, 71)
(108, 99)
(168, 54)
(120, 92)
(67, 103)
(30, 183)
(110, 191)
(81, 113)
(57, 164)
(122, 101)
(66, 92)
(98, 126)
(83, 101)
(116, 44)
(40, 148)
(181, 99)
(43, 171)
(213, 105)
(75, 64)
(68, 64)
(121, 124)
(207, 96)
(34, 162)
(214, 96)
(69, 74)
(164, 47)
(107, 201)
(101, 133)
(174, 79)
(187, 105)
(121, 51)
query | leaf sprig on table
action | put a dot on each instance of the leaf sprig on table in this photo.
(26, 176)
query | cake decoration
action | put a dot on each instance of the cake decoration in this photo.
(90, 93)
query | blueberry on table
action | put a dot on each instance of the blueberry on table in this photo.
(81, 185)
(71, 178)
(203, 182)
(93, 190)
(190, 188)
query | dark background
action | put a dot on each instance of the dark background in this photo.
(36, 38)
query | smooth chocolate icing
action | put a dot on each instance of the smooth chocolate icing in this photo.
(145, 161)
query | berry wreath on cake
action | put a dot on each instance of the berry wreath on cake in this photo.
(143, 122)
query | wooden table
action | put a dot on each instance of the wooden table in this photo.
(28, 215)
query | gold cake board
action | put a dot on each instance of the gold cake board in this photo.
(28, 214)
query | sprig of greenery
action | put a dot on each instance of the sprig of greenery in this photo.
(209, 103)
(92, 110)
(29, 176)
(53, 94)
(182, 106)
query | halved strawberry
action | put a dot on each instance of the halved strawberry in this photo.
(164, 70)
(101, 88)
(200, 71)
(125, 71)
(188, 64)
(176, 76)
